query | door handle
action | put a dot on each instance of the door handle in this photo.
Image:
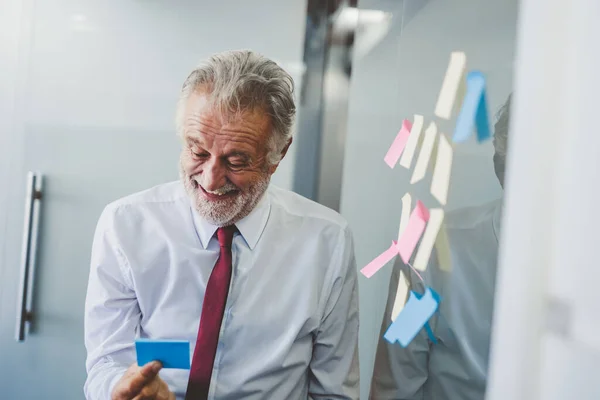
(33, 199)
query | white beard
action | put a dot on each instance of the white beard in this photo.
(227, 211)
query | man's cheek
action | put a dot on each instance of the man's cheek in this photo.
(241, 184)
(192, 168)
(247, 180)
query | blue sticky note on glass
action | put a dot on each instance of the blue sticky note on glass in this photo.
(428, 329)
(416, 313)
(171, 353)
(430, 333)
(474, 111)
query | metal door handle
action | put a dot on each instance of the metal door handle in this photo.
(33, 200)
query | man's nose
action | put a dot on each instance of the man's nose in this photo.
(213, 175)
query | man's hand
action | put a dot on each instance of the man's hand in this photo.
(142, 383)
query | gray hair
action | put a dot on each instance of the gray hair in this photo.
(239, 81)
(501, 129)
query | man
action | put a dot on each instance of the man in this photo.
(454, 368)
(261, 281)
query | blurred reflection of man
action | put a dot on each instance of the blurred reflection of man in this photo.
(454, 368)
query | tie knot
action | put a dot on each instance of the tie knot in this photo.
(225, 235)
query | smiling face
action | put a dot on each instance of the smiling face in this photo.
(223, 164)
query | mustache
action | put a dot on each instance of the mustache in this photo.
(228, 187)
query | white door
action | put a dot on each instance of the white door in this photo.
(87, 99)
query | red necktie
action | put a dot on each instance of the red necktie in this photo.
(213, 307)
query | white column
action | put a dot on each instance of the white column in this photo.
(550, 225)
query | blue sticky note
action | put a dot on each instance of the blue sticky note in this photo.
(474, 111)
(171, 353)
(415, 314)
(428, 329)
(430, 333)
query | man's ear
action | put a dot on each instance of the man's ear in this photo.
(286, 148)
(273, 167)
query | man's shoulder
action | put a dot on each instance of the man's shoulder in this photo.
(163, 193)
(293, 205)
(146, 200)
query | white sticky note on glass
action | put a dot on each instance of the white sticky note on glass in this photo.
(425, 154)
(442, 170)
(442, 248)
(405, 215)
(413, 142)
(453, 85)
(431, 164)
(436, 219)
(401, 294)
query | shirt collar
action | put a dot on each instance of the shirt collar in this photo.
(250, 227)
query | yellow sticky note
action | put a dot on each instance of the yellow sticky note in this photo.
(453, 85)
(400, 299)
(436, 218)
(425, 154)
(442, 170)
(442, 247)
(413, 142)
(405, 216)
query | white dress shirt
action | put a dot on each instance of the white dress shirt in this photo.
(454, 368)
(290, 326)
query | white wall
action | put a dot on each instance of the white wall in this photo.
(91, 60)
(401, 76)
(115, 66)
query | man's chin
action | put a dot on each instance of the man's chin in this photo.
(219, 213)
(228, 209)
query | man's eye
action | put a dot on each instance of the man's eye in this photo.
(200, 155)
(237, 164)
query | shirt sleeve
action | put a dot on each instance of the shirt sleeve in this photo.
(112, 314)
(334, 368)
(400, 373)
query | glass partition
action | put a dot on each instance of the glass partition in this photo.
(398, 73)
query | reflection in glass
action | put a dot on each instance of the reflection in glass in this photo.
(455, 367)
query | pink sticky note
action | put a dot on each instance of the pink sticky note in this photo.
(416, 225)
(395, 150)
(380, 260)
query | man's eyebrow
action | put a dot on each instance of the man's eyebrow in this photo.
(238, 153)
(192, 141)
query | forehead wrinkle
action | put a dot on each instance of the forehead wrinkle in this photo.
(240, 136)
(207, 125)
(240, 147)
(233, 135)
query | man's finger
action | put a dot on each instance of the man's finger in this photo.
(150, 370)
(164, 393)
(150, 390)
(144, 375)
(133, 368)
